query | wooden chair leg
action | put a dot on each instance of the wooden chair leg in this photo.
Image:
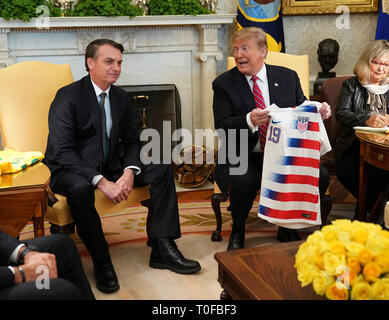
(148, 204)
(216, 199)
(375, 212)
(66, 229)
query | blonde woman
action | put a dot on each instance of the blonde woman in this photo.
(363, 101)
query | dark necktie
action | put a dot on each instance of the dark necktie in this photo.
(104, 125)
(260, 103)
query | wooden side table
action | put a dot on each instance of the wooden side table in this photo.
(374, 149)
(23, 198)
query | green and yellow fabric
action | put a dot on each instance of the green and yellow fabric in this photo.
(12, 161)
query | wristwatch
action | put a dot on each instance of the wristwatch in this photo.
(29, 247)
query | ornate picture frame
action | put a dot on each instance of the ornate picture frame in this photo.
(309, 7)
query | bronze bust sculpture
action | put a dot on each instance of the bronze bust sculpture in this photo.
(327, 54)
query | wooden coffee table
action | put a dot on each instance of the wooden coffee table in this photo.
(262, 273)
(23, 198)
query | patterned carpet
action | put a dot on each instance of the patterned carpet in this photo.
(126, 234)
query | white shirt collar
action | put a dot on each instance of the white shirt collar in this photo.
(98, 91)
(262, 75)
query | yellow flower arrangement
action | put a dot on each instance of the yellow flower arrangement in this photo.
(346, 260)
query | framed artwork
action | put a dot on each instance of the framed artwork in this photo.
(309, 7)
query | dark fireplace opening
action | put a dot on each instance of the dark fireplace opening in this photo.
(153, 104)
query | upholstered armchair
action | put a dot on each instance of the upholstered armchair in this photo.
(330, 92)
(299, 63)
(27, 90)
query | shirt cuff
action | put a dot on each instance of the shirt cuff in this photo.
(96, 179)
(250, 124)
(14, 255)
(12, 270)
(134, 168)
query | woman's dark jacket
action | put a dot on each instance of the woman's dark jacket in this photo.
(352, 110)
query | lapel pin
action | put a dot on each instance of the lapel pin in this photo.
(276, 84)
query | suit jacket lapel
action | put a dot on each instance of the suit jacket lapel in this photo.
(244, 90)
(115, 117)
(272, 83)
(92, 104)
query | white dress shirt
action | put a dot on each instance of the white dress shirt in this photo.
(107, 106)
(263, 85)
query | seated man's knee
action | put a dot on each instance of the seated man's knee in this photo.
(82, 192)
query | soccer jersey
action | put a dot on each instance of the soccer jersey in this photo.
(296, 138)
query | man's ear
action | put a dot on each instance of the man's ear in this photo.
(90, 63)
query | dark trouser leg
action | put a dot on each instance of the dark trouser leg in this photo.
(81, 199)
(244, 189)
(324, 180)
(60, 289)
(165, 220)
(69, 264)
(347, 169)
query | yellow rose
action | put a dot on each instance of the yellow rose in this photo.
(306, 273)
(315, 237)
(383, 261)
(337, 247)
(365, 256)
(371, 271)
(354, 265)
(360, 234)
(319, 261)
(353, 248)
(372, 228)
(337, 291)
(344, 229)
(361, 290)
(385, 233)
(306, 255)
(321, 282)
(377, 244)
(329, 233)
(344, 224)
(381, 289)
(332, 263)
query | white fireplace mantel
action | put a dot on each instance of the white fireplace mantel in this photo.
(180, 50)
(106, 22)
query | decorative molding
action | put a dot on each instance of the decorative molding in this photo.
(203, 56)
(66, 23)
(125, 38)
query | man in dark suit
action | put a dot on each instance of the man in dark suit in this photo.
(87, 120)
(234, 107)
(43, 268)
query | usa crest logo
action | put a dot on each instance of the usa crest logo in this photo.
(302, 123)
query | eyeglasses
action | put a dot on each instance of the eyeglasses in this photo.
(379, 63)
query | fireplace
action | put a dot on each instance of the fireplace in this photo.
(154, 104)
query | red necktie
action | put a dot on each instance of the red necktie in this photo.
(260, 103)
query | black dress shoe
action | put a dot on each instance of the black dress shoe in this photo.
(236, 239)
(165, 255)
(287, 235)
(106, 279)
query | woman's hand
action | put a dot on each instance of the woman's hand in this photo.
(377, 121)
